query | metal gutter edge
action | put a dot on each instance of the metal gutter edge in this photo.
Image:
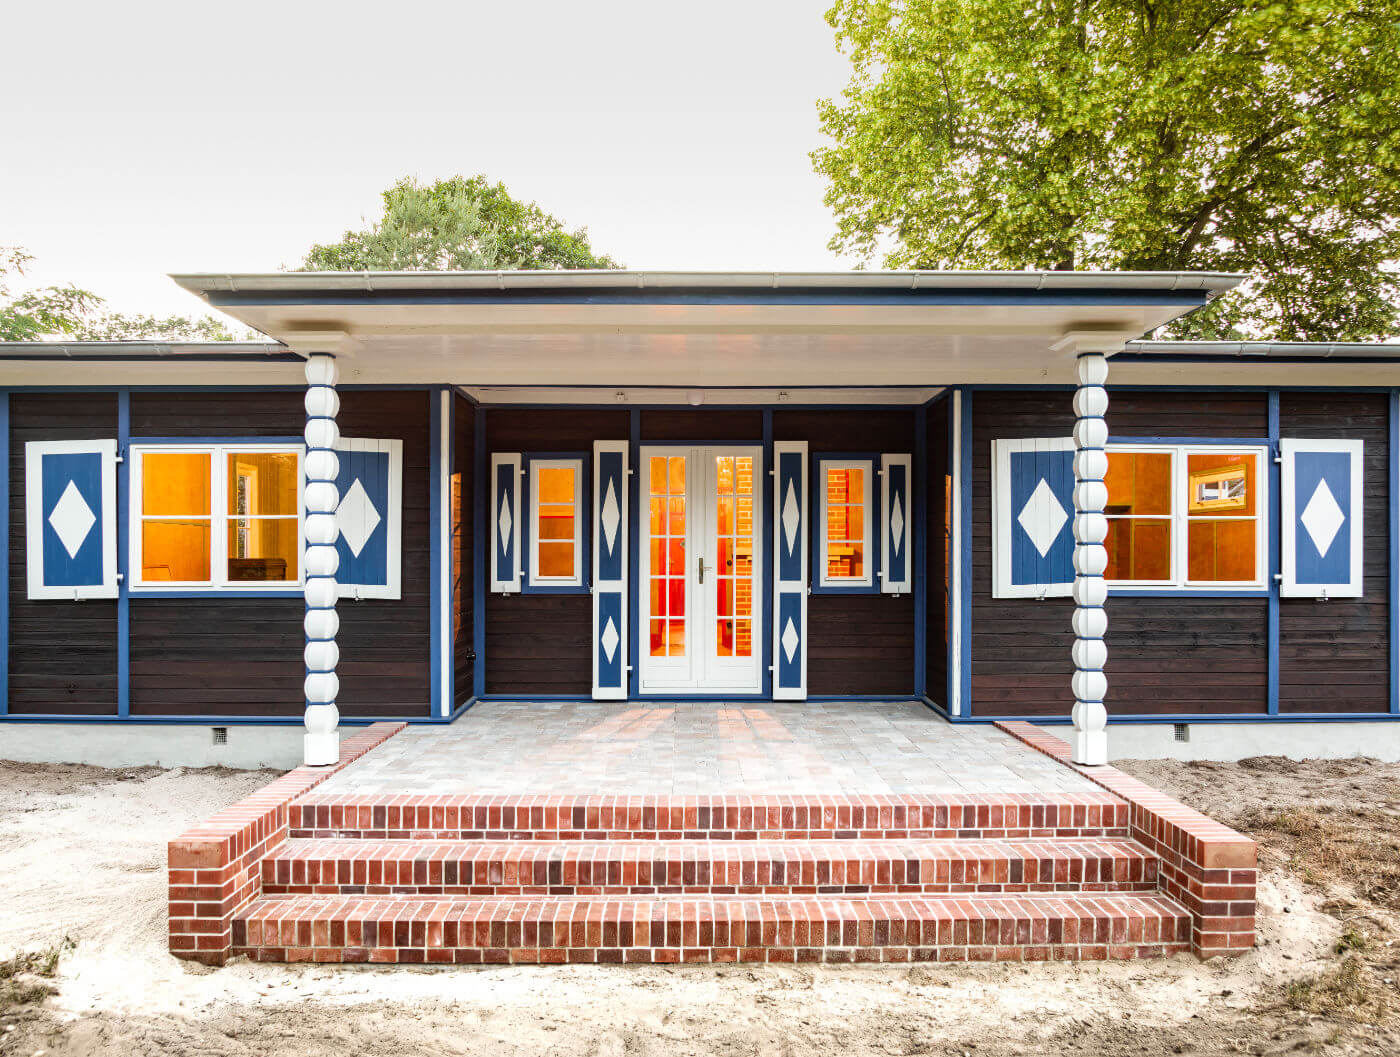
(1373, 350)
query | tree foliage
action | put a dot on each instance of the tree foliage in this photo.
(457, 224)
(69, 312)
(1258, 136)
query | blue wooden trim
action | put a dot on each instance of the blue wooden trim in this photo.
(1256, 442)
(240, 721)
(634, 536)
(583, 512)
(290, 439)
(965, 553)
(449, 644)
(703, 295)
(934, 706)
(918, 492)
(480, 541)
(953, 576)
(123, 554)
(764, 490)
(1275, 552)
(435, 544)
(459, 391)
(816, 483)
(5, 553)
(1394, 549)
(1191, 717)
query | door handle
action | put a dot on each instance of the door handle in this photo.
(700, 565)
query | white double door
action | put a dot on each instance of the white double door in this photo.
(701, 610)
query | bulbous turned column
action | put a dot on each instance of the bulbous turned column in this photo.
(1090, 685)
(321, 743)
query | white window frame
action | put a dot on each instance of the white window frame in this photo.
(581, 511)
(218, 515)
(867, 536)
(1179, 519)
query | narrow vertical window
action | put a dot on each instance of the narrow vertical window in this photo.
(556, 545)
(263, 528)
(666, 502)
(1222, 537)
(846, 558)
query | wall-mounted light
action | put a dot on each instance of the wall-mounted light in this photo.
(695, 397)
(782, 397)
(621, 397)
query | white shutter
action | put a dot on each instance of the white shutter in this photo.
(70, 495)
(610, 569)
(1321, 524)
(790, 504)
(1033, 517)
(505, 522)
(896, 563)
(370, 517)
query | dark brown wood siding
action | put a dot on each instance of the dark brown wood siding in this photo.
(540, 644)
(724, 424)
(63, 655)
(463, 535)
(1333, 655)
(937, 483)
(858, 644)
(1165, 655)
(242, 656)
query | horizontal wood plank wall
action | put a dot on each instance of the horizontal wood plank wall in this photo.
(937, 481)
(541, 644)
(63, 655)
(680, 424)
(463, 493)
(858, 644)
(1165, 656)
(1333, 655)
(242, 656)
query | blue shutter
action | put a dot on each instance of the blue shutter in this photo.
(896, 524)
(505, 522)
(1033, 517)
(369, 517)
(71, 511)
(790, 505)
(610, 569)
(1321, 518)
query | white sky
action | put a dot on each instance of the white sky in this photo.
(143, 138)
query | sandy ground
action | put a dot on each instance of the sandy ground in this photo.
(82, 855)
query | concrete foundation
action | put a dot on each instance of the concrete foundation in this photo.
(1236, 741)
(152, 745)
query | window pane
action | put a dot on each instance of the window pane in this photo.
(1138, 549)
(1221, 485)
(556, 523)
(557, 559)
(175, 551)
(263, 483)
(743, 638)
(677, 474)
(262, 549)
(175, 483)
(724, 639)
(657, 474)
(1221, 550)
(744, 469)
(677, 565)
(556, 484)
(1139, 483)
(845, 560)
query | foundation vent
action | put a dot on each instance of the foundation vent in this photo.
(1181, 732)
(221, 736)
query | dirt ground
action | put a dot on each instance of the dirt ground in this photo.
(82, 859)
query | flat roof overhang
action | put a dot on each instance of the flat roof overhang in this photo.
(678, 329)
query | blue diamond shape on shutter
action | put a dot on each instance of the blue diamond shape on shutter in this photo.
(1042, 517)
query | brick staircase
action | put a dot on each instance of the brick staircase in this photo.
(553, 879)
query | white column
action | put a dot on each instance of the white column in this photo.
(1090, 742)
(321, 744)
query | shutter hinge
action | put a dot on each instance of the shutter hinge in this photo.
(1278, 578)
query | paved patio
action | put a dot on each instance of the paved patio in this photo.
(703, 748)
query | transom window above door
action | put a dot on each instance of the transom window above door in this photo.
(1185, 516)
(215, 516)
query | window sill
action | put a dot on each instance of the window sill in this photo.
(1188, 592)
(844, 589)
(276, 591)
(556, 589)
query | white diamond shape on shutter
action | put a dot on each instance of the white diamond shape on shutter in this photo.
(72, 519)
(1042, 518)
(1323, 518)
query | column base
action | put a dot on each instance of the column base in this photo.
(1089, 747)
(321, 749)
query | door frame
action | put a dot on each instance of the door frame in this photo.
(758, 449)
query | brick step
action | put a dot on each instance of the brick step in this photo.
(456, 929)
(788, 867)
(796, 817)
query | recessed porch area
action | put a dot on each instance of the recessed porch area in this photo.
(703, 748)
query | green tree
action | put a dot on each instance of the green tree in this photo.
(1233, 135)
(457, 224)
(36, 314)
(68, 312)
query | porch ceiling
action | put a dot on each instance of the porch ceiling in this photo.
(627, 329)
